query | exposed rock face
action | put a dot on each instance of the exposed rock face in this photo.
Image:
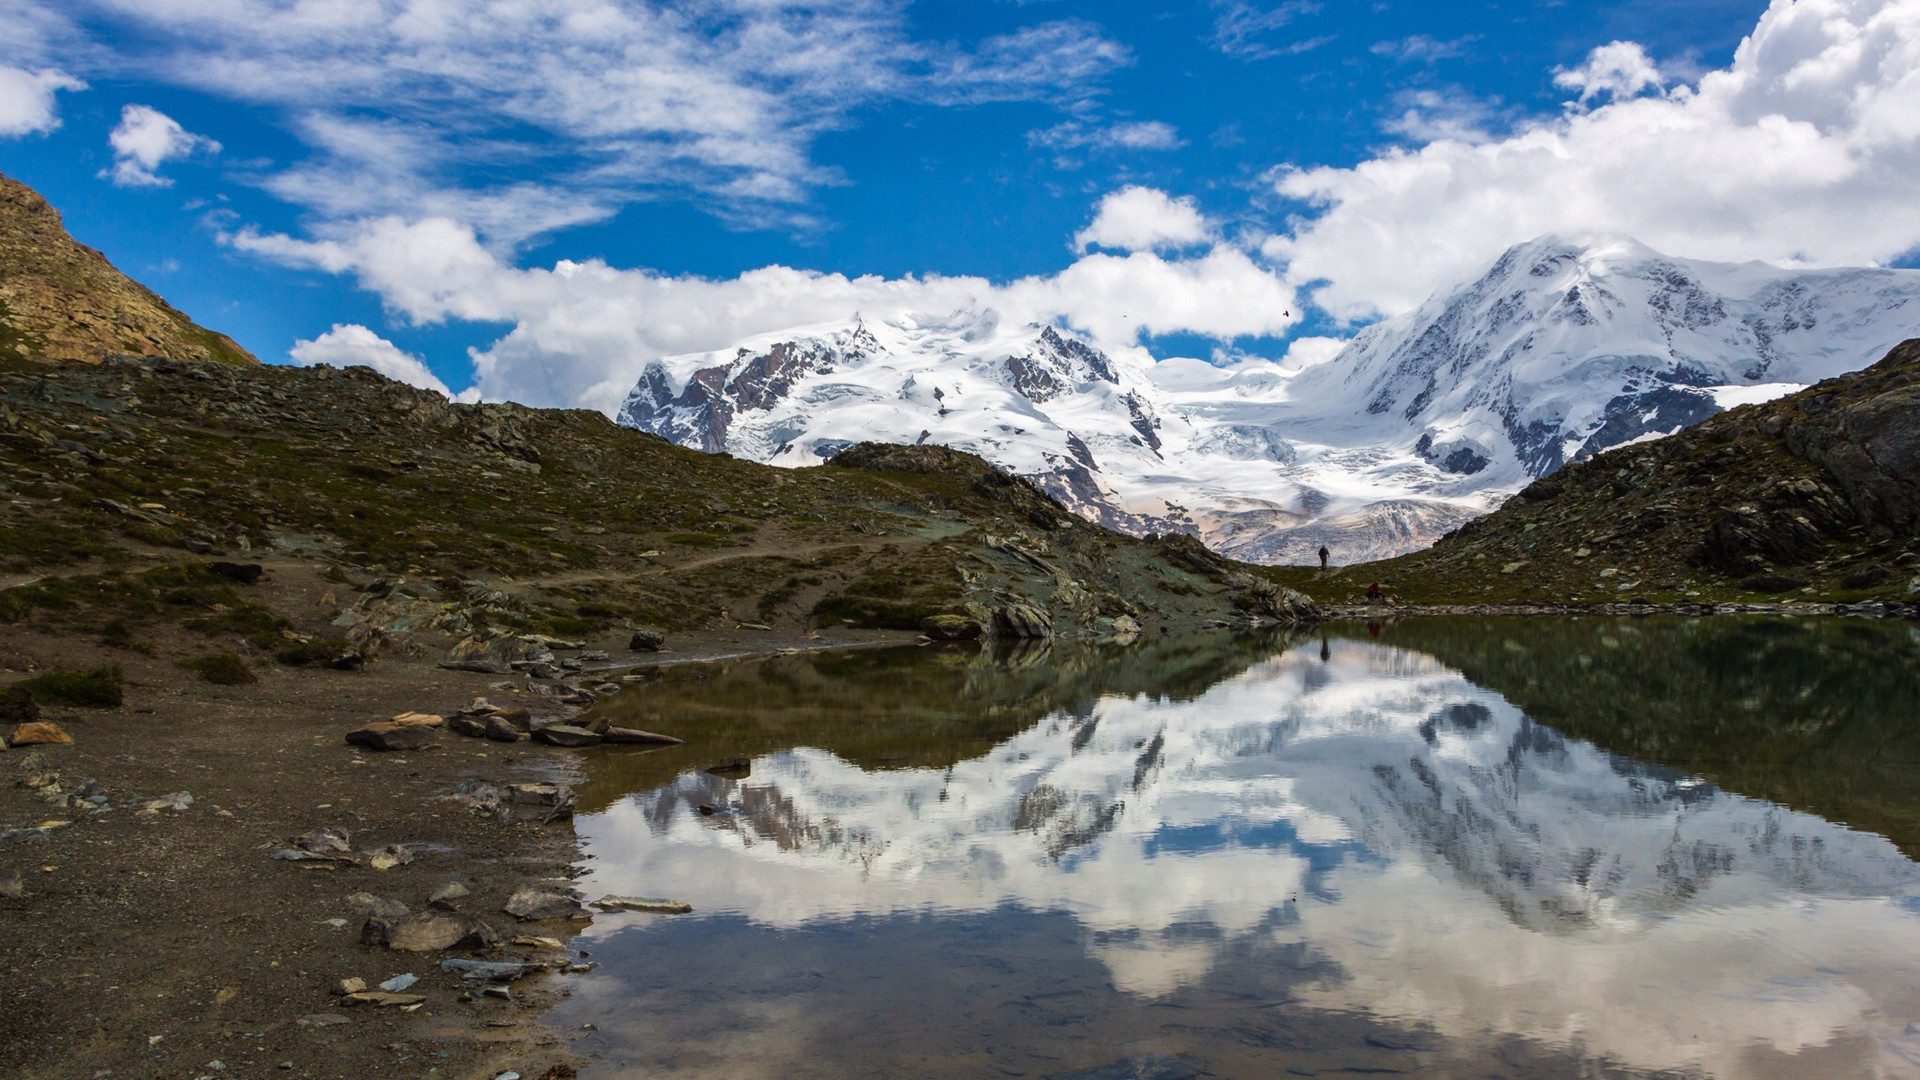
(1865, 432)
(62, 300)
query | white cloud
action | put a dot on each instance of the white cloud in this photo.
(1124, 135)
(1143, 219)
(1240, 25)
(414, 107)
(353, 345)
(145, 138)
(583, 330)
(1804, 150)
(1423, 48)
(1619, 70)
(27, 105)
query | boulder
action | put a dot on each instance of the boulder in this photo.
(499, 729)
(473, 727)
(1017, 620)
(533, 903)
(432, 930)
(951, 628)
(389, 735)
(620, 736)
(565, 735)
(521, 719)
(647, 641)
(423, 719)
(38, 733)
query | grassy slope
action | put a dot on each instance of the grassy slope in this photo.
(115, 468)
(1634, 522)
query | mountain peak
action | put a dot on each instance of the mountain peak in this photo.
(62, 300)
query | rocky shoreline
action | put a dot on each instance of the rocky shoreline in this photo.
(1804, 609)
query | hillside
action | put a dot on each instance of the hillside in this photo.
(1812, 496)
(442, 521)
(62, 300)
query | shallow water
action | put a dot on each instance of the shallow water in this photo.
(1446, 848)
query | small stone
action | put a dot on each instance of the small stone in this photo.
(647, 641)
(537, 941)
(324, 840)
(382, 998)
(534, 903)
(500, 992)
(399, 982)
(388, 735)
(12, 887)
(452, 890)
(318, 1020)
(565, 735)
(424, 719)
(649, 904)
(38, 733)
(620, 736)
(473, 727)
(492, 970)
(225, 994)
(351, 985)
(370, 906)
(500, 729)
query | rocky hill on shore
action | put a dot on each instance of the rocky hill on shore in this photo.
(1815, 496)
(63, 300)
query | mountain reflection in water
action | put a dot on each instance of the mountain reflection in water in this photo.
(1237, 857)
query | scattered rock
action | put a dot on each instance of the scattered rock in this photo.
(370, 906)
(565, 735)
(12, 887)
(537, 941)
(320, 1020)
(533, 903)
(451, 891)
(399, 983)
(473, 727)
(382, 997)
(432, 930)
(323, 840)
(647, 641)
(649, 904)
(500, 729)
(389, 735)
(350, 986)
(492, 970)
(620, 736)
(521, 719)
(176, 802)
(424, 719)
(38, 733)
(388, 857)
(593, 657)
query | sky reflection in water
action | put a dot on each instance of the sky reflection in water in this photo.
(1338, 855)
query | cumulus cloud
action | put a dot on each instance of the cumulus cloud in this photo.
(1803, 150)
(27, 105)
(1139, 218)
(418, 107)
(582, 331)
(146, 137)
(1618, 70)
(353, 345)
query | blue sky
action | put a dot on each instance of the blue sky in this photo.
(280, 157)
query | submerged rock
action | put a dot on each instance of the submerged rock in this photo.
(534, 903)
(652, 905)
(620, 736)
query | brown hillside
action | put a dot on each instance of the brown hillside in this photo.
(62, 300)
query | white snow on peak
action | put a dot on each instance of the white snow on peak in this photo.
(1562, 349)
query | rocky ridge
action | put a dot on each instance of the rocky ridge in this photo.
(62, 300)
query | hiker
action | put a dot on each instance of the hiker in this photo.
(1375, 593)
(1324, 554)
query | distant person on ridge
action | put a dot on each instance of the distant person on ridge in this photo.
(1375, 593)
(1324, 554)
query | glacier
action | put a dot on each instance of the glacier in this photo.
(1420, 423)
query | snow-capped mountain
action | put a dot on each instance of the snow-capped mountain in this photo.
(1421, 422)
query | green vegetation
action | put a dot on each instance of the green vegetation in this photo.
(95, 689)
(221, 669)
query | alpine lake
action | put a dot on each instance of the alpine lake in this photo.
(1446, 847)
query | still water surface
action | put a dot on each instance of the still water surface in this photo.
(1457, 848)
